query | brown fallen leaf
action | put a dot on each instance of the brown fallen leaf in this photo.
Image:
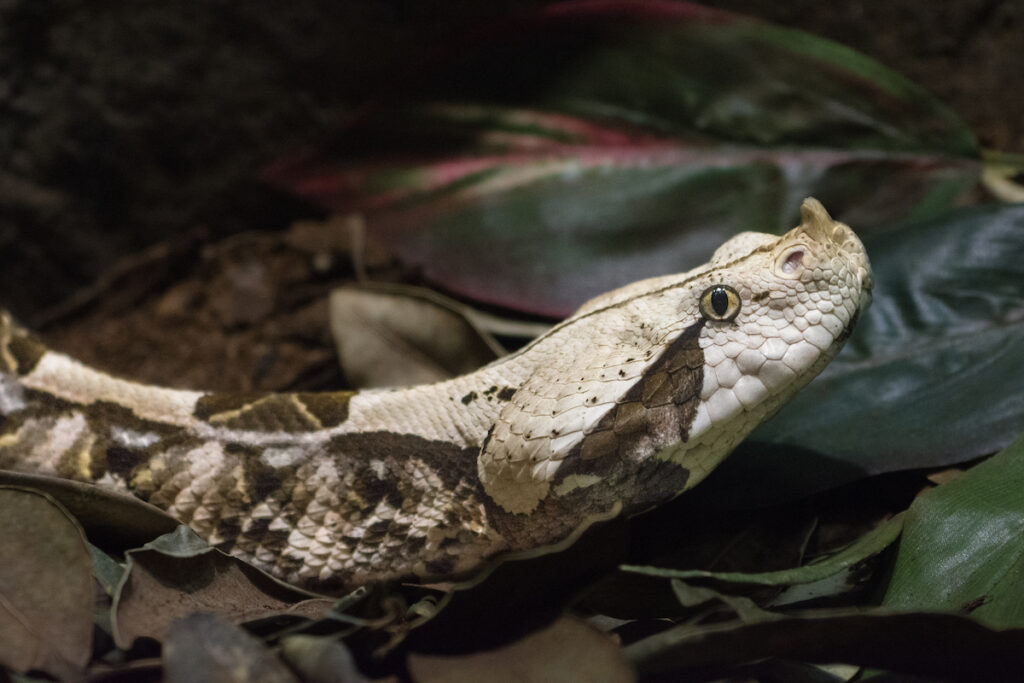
(205, 647)
(114, 521)
(566, 651)
(46, 592)
(390, 335)
(178, 575)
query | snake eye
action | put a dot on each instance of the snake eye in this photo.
(720, 303)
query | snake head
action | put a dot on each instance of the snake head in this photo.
(642, 392)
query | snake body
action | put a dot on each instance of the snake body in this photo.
(624, 405)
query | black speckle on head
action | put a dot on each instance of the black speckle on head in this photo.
(469, 398)
(506, 393)
(760, 296)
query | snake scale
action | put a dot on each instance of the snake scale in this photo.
(624, 405)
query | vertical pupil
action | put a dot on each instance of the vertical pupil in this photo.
(719, 301)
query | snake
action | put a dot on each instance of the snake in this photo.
(621, 407)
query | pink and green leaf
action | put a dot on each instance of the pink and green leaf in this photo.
(564, 152)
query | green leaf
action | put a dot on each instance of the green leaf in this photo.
(593, 143)
(946, 646)
(746, 609)
(867, 546)
(932, 375)
(963, 547)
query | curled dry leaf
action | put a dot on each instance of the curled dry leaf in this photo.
(46, 592)
(390, 335)
(567, 650)
(178, 575)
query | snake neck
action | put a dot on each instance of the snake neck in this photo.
(323, 490)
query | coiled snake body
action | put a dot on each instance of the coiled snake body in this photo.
(624, 405)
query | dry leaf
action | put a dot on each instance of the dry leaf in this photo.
(46, 592)
(568, 650)
(389, 335)
(161, 587)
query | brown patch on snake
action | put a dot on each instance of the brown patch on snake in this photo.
(303, 412)
(656, 412)
(330, 409)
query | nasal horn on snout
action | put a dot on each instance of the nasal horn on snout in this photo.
(815, 221)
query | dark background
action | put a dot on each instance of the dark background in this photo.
(127, 123)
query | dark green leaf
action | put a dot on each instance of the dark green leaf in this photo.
(932, 374)
(595, 143)
(963, 547)
(46, 593)
(746, 609)
(946, 646)
(864, 548)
